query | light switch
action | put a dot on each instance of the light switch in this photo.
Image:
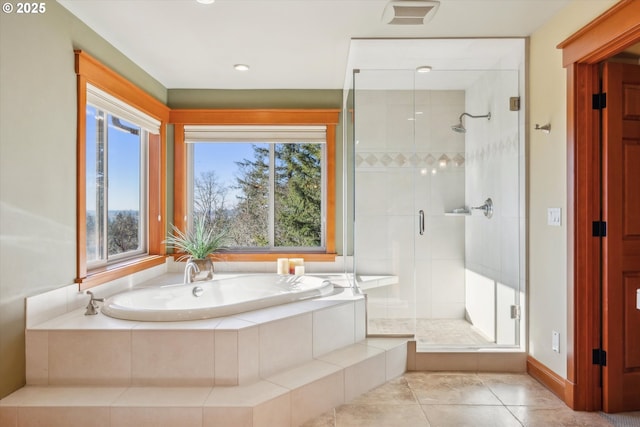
(554, 216)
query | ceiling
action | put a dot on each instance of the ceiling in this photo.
(293, 44)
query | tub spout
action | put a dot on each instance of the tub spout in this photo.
(191, 266)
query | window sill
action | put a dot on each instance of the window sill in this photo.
(269, 257)
(116, 271)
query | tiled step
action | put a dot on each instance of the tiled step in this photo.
(287, 398)
(75, 349)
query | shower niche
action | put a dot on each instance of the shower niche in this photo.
(436, 181)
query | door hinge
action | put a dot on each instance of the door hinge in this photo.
(599, 229)
(514, 103)
(599, 101)
(515, 312)
(599, 357)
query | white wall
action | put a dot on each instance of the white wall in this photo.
(547, 181)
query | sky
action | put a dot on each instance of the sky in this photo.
(124, 160)
(124, 166)
(222, 158)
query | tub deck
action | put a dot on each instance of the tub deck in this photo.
(278, 366)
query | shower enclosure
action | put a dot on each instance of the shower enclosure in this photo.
(437, 182)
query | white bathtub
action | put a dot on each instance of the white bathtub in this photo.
(215, 298)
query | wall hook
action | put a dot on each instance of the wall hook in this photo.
(544, 128)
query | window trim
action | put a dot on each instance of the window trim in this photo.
(322, 117)
(89, 70)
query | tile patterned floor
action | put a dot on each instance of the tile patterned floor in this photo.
(452, 399)
(449, 333)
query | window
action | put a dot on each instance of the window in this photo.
(265, 187)
(116, 184)
(267, 176)
(120, 176)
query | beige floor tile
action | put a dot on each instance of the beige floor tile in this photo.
(532, 416)
(515, 389)
(450, 388)
(328, 419)
(449, 395)
(394, 392)
(380, 416)
(469, 415)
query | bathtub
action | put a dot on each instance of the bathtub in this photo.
(214, 298)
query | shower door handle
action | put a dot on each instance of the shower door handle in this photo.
(421, 222)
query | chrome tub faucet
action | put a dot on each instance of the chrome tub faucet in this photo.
(191, 266)
(92, 307)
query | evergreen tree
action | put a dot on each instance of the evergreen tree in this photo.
(250, 224)
(298, 195)
(123, 232)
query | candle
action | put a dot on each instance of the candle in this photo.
(293, 262)
(299, 270)
(283, 266)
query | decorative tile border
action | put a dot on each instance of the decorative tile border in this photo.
(508, 146)
(408, 160)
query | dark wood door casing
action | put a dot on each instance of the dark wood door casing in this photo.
(607, 35)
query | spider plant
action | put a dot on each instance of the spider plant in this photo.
(198, 242)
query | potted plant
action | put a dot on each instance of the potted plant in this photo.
(198, 244)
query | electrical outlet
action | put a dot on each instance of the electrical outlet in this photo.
(555, 341)
(554, 216)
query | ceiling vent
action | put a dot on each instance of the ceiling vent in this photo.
(409, 12)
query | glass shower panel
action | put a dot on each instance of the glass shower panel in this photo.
(386, 219)
(430, 261)
(493, 246)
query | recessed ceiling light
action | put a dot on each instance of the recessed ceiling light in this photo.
(241, 67)
(423, 69)
(205, 1)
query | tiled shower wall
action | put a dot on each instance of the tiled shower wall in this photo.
(494, 163)
(407, 159)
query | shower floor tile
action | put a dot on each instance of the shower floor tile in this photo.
(432, 332)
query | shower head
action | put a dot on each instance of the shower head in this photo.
(460, 127)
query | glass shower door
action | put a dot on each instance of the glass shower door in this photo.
(387, 219)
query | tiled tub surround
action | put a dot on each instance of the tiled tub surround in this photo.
(278, 366)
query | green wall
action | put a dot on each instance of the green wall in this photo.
(38, 162)
(38, 156)
(265, 98)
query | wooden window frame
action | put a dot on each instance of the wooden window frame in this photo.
(89, 70)
(292, 117)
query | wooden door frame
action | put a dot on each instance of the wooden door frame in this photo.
(607, 35)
